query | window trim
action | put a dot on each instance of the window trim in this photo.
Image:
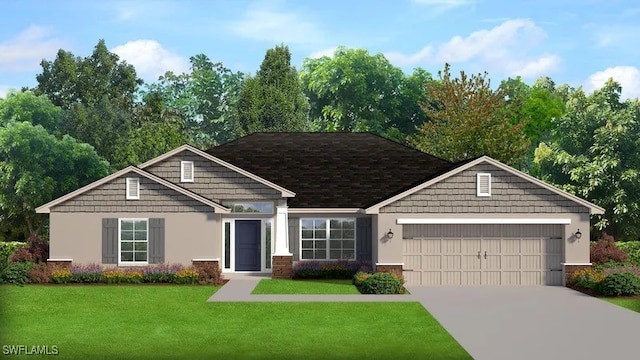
(479, 191)
(328, 238)
(182, 172)
(131, 263)
(128, 196)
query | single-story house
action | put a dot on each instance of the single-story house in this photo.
(266, 201)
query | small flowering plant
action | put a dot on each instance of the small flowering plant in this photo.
(61, 276)
(186, 276)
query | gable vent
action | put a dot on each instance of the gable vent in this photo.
(133, 189)
(186, 171)
(484, 184)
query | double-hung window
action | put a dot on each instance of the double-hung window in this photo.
(134, 241)
(328, 239)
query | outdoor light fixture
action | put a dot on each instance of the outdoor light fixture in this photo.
(578, 234)
(390, 234)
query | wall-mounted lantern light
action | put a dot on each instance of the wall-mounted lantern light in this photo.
(578, 234)
(390, 234)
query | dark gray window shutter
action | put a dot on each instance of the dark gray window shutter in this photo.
(363, 239)
(109, 241)
(294, 237)
(156, 241)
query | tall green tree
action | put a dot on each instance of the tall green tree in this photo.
(273, 100)
(36, 167)
(356, 91)
(205, 98)
(594, 152)
(469, 119)
(69, 79)
(26, 106)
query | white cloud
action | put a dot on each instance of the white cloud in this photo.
(422, 56)
(264, 24)
(323, 52)
(25, 51)
(627, 76)
(504, 48)
(150, 59)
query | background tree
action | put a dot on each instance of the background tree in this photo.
(355, 91)
(26, 106)
(272, 100)
(36, 167)
(205, 98)
(69, 79)
(594, 152)
(469, 119)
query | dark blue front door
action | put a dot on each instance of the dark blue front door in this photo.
(247, 245)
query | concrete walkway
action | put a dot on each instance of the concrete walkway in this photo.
(239, 290)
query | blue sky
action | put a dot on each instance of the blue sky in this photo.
(580, 42)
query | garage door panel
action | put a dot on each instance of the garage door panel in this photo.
(471, 278)
(511, 261)
(492, 262)
(515, 254)
(491, 278)
(452, 277)
(471, 262)
(451, 262)
(412, 261)
(532, 278)
(531, 262)
(451, 246)
(431, 262)
(431, 246)
(412, 246)
(471, 246)
(511, 277)
(413, 277)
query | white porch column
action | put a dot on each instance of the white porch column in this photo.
(282, 231)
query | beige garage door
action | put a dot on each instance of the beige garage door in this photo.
(482, 254)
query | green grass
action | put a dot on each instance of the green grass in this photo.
(629, 303)
(282, 286)
(176, 322)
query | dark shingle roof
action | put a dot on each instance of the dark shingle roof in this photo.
(332, 170)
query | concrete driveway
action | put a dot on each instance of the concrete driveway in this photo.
(543, 322)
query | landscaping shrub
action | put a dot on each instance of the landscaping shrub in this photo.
(627, 268)
(605, 250)
(91, 273)
(586, 278)
(359, 278)
(162, 273)
(209, 273)
(6, 250)
(118, 276)
(61, 276)
(16, 273)
(632, 248)
(620, 284)
(329, 270)
(382, 283)
(186, 276)
(37, 250)
(41, 273)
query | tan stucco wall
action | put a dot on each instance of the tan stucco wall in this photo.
(575, 250)
(78, 236)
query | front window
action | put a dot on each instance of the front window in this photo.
(134, 240)
(250, 207)
(328, 239)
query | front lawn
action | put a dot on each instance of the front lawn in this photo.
(169, 322)
(283, 286)
(631, 303)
